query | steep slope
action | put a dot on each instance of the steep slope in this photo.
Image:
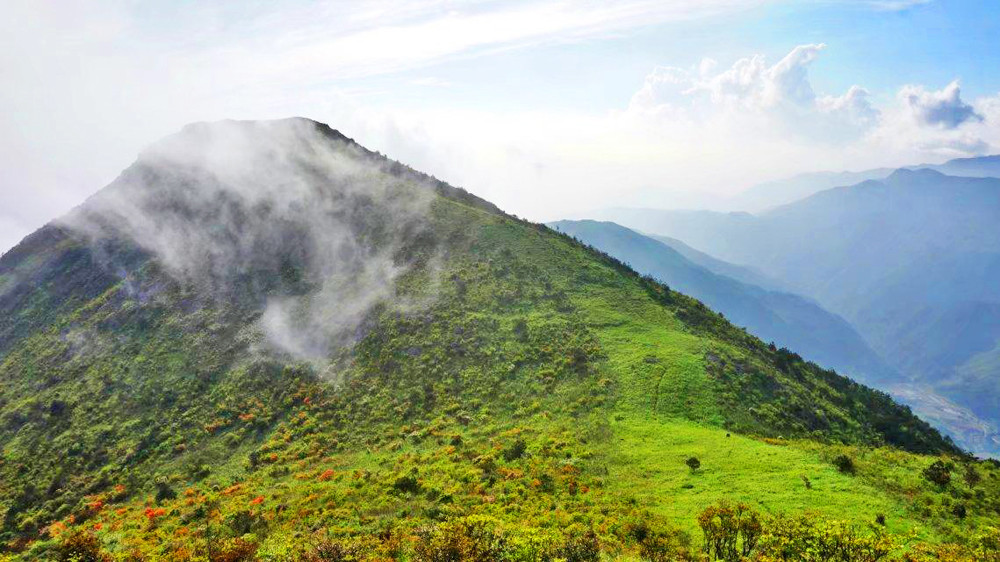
(911, 261)
(263, 340)
(786, 319)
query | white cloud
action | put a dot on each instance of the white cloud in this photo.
(854, 106)
(751, 94)
(942, 108)
(924, 124)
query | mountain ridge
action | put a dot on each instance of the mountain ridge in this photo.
(767, 195)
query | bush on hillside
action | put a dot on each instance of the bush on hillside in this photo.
(971, 476)
(810, 539)
(844, 464)
(939, 472)
(81, 547)
(344, 550)
(515, 450)
(580, 546)
(731, 531)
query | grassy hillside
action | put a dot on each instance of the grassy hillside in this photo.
(784, 318)
(514, 396)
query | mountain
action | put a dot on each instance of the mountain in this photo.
(264, 342)
(775, 193)
(976, 167)
(741, 273)
(770, 194)
(786, 319)
(911, 261)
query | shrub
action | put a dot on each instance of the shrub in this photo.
(581, 547)
(236, 550)
(244, 521)
(164, 492)
(343, 550)
(810, 539)
(693, 463)
(471, 539)
(659, 544)
(407, 484)
(515, 451)
(959, 510)
(988, 545)
(971, 476)
(81, 547)
(844, 464)
(731, 531)
(939, 472)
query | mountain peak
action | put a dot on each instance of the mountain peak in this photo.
(911, 175)
(207, 141)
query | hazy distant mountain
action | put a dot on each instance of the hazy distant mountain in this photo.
(786, 319)
(780, 192)
(977, 167)
(748, 275)
(912, 261)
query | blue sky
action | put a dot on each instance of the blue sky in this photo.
(549, 108)
(927, 43)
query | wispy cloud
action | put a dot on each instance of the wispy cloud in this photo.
(896, 5)
(328, 40)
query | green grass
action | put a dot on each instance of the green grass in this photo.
(649, 458)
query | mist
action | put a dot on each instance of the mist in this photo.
(312, 227)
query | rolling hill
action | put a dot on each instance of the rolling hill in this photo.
(265, 342)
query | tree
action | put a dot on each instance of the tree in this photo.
(731, 531)
(971, 476)
(939, 472)
(693, 463)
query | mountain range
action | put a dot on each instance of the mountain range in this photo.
(783, 191)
